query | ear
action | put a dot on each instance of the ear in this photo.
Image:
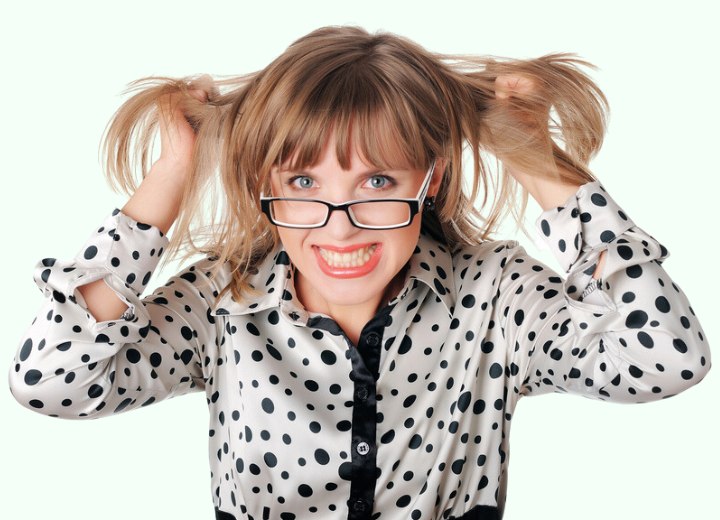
(437, 177)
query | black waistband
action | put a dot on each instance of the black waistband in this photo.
(476, 513)
(480, 513)
(222, 515)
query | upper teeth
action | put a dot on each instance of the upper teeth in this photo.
(355, 258)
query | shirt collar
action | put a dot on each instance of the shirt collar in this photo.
(431, 264)
(270, 282)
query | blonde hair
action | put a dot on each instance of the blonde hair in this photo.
(399, 104)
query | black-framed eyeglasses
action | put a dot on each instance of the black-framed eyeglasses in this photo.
(387, 213)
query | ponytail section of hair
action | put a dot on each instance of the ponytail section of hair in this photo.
(551, 131)
(128, 137)
(213, 218)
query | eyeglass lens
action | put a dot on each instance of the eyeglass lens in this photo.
(371, 213)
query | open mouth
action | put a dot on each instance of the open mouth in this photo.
(356, 258)
(350, 264)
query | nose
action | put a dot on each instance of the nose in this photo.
(339, 225)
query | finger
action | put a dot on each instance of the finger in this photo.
(199, 94)
(507, 85)
(202, 88)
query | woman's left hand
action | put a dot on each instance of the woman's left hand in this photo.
(529, 106)
(534, 112)
(508, 85)
(530, 111)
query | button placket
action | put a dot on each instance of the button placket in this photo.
(373, 339)
(366, 360)
(359, 506)
(362, 393)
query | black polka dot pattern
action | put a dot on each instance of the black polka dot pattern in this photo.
(570, 229)
(409, 423)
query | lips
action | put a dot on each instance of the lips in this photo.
(348, 262)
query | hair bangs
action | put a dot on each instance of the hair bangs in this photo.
(363, 113)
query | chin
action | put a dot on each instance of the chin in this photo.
(349, 292)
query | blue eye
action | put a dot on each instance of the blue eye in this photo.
(377, 181)
(301, 181)
(380, 182)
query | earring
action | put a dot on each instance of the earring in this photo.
(431, 222)
(429, 204)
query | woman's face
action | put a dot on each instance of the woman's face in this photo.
(340, 265)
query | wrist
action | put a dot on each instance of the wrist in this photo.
(548, 193)
(157, 199)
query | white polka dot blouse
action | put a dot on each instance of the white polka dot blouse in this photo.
(414, 420)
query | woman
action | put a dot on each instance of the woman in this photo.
(361, 339)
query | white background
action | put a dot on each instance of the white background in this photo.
(64, 65)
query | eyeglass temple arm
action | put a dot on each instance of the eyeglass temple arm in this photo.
(426, 185)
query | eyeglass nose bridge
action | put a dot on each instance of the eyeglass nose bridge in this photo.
(344, 207)
(413, 208)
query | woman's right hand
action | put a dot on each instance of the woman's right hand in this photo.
(158, 198)
(177, 135)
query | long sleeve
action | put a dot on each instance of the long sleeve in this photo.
(71, 366)
(630, 336)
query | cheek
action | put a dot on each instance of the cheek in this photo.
(292, 240)
(403, 242)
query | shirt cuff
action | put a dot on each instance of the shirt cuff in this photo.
(121, 246)
(588, 220)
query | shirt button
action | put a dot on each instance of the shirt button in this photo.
(362, 393)
(359, 506)
(363, 448)
(372, 339)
